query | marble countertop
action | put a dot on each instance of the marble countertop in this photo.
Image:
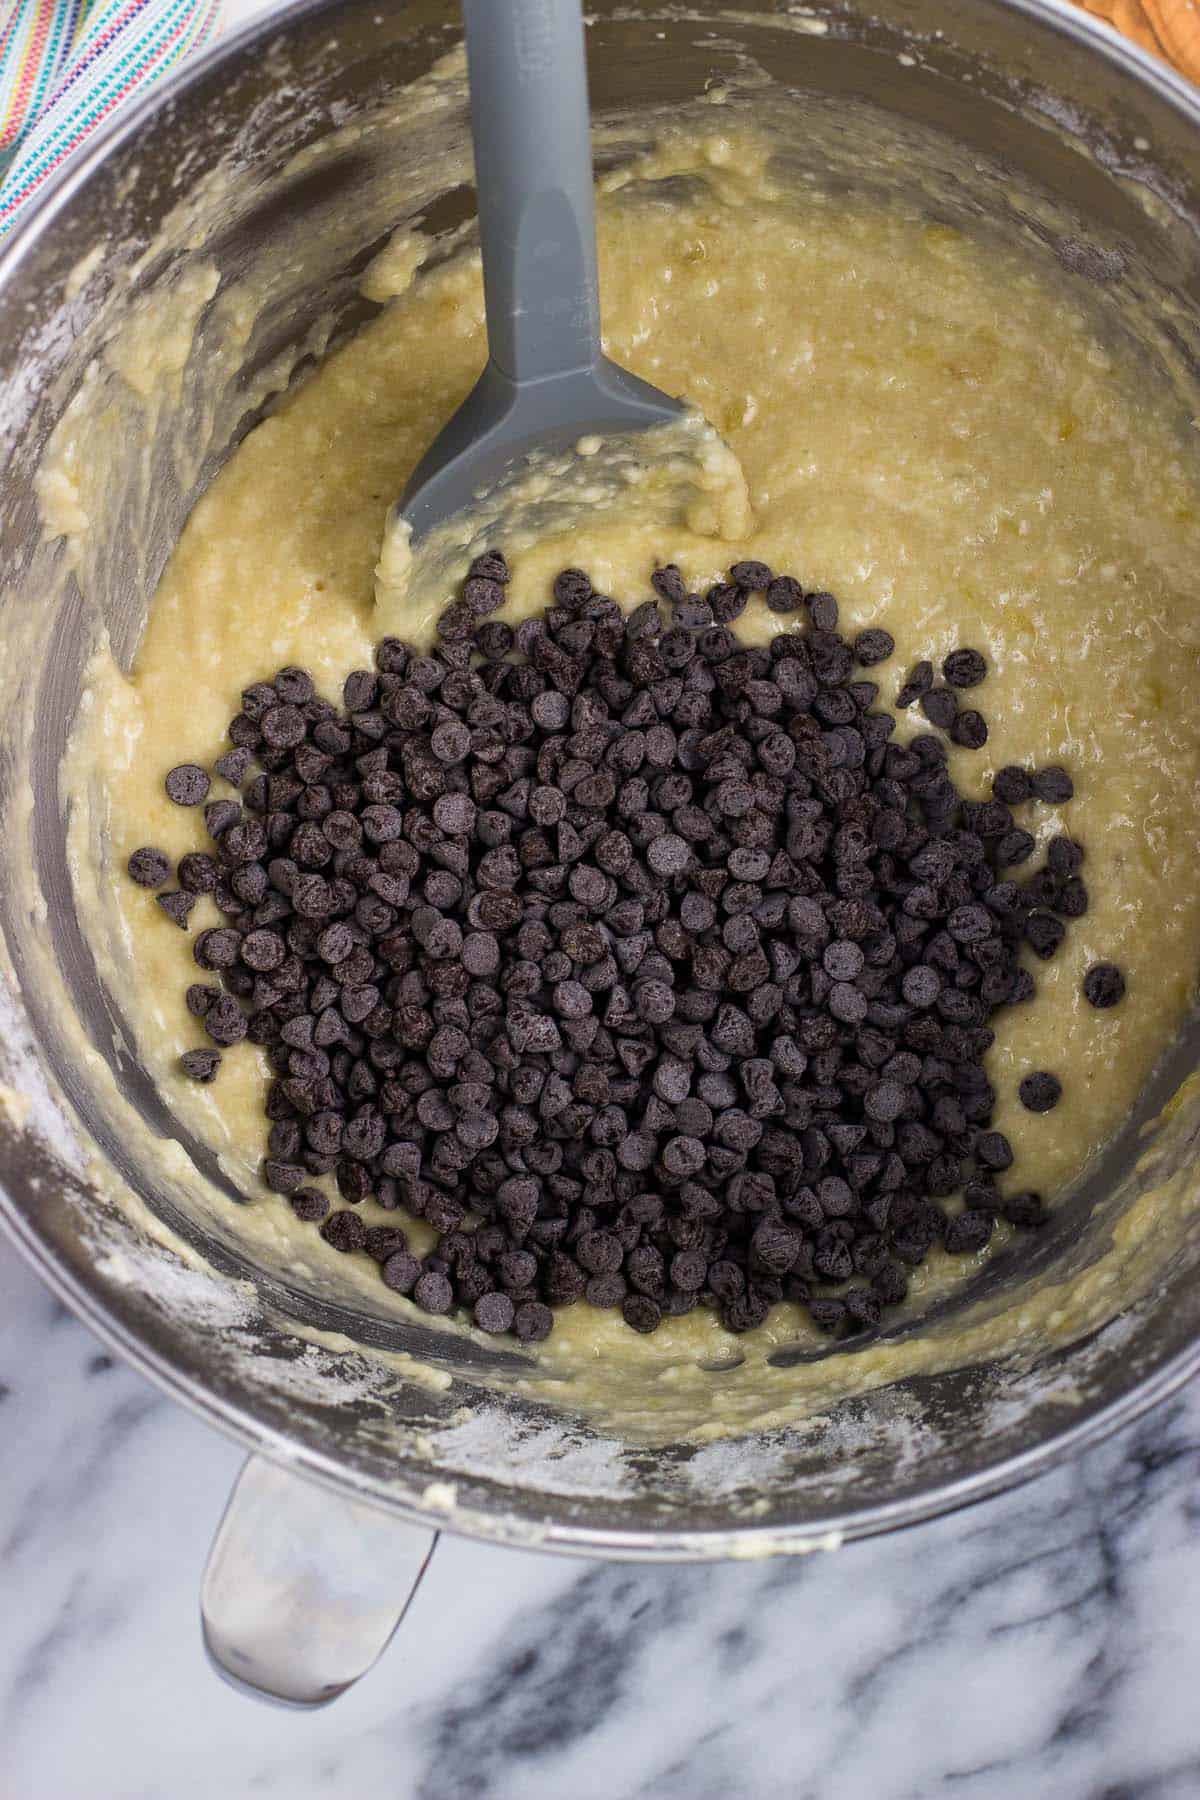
(1044, 1644)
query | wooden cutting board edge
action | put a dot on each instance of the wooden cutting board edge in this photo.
(1170, 27)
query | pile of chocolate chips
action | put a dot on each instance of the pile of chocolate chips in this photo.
(641, 964)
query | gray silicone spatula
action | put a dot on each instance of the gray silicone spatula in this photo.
(547, 383)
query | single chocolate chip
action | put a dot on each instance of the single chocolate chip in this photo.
(433, 1293)
(1053, 785)
(149, 867)
(234, 766)
(220, 815)
(188, 784)
(823, 611)
(754, 577)
(1064, 857)
(969, 729)
(1103, 985)
(1040, 1092)
(940, 707)
(885, 1102)
(345, 1231)
(494, 1312)
(643, 1313)
(402, 1271)
(968, 1232)
(491, 565)
(262, 950)
(309, 1204)
(283, 727)
(1012, 785)
(964, 668)
(200, 1065)
(1044, 934)
(784, 595)
(873, 646)
(216, 948)
(993, 1150)
(919, 681)
(177, 907)
(224, 1021)
(199, 873)
(533, 1321)
(1072, 899)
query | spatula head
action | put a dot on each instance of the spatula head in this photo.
(511, 491)
(501, 424)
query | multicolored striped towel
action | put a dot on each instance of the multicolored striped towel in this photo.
(66, 65)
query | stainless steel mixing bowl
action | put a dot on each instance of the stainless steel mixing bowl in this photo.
(233, 162)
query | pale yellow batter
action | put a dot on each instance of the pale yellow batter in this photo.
(933, 429)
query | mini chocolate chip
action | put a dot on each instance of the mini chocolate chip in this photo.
(643, 1313)
(262, 950)
(200, 1065)
(784, 594)
(969, 729)
(220, 815)
(1012, 785)
(885, 1102)
(234, 766)
(199, 873)
(283, 727)
(149, 867)
(755, 577)
(1064, 857)
(533, 1321)
(1044, 934)
(1103, 985)
(433, 1293)
(873, 646)
(188, 784)
(940, 706)
(308, 1204)
(224, 1021)
(993, 1150)
(494, 1312)
(177, 907)
(345, 1231)
(1072, 899)
(919, 681)
(964, 668)
(842, 960)
(823, 611)
(1040, 1092)
(402, 1271)
(1053, 785)
(216, 948)
(968, 1232)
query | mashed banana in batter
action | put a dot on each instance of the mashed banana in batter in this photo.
(936, 429)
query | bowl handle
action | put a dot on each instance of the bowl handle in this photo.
(304, 1588)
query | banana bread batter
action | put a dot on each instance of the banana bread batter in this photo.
(934, 429)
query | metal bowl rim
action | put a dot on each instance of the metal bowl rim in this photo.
(238, 1421)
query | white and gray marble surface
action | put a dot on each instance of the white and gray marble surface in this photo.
(1046, 1644)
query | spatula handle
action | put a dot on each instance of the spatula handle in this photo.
(533, 174)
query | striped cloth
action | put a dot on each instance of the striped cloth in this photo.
(66, 65)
